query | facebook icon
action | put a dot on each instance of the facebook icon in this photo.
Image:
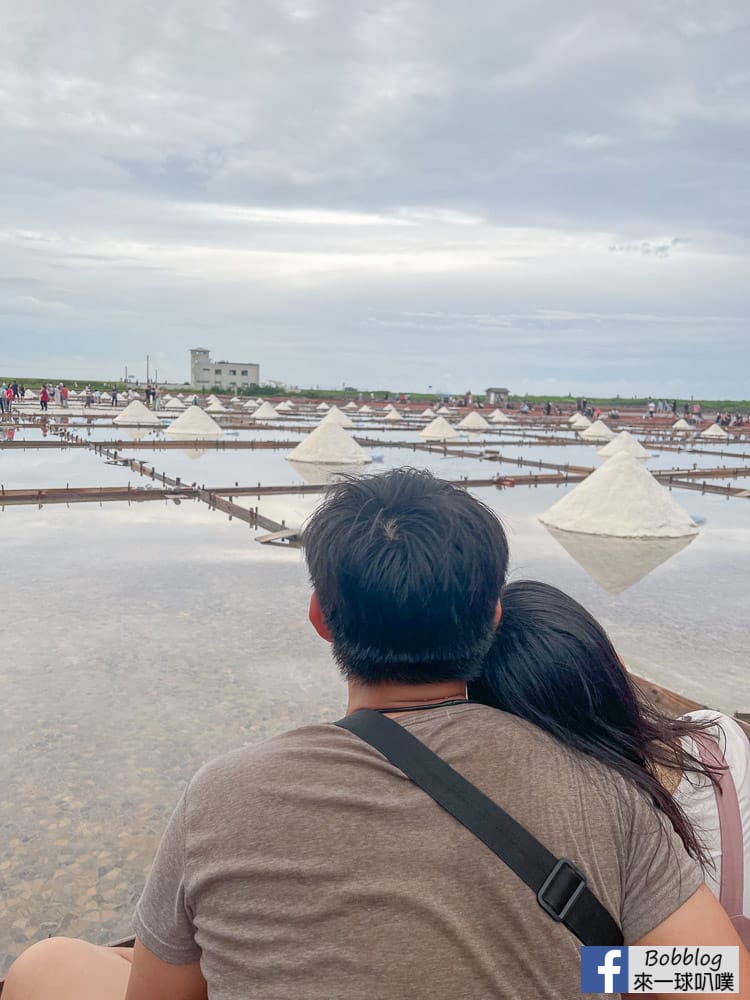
(604, 970)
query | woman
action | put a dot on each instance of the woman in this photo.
(552, 664)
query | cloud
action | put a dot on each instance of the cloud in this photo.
(289, 178)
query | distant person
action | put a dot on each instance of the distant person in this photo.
(307, 866)
(3, 388)
(9, 399)
(14, 387)
(64, 394)
(22, 390)
(651, 408)
(58, 394)
(44, 398)
(554, 665)
(114, 395)
(548, 407)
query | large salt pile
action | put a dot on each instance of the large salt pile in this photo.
(351, 405)
(498, 417)
(284, 407)
(322, 407)
(439, 430)
(621, 499)
(714, 431)
(216, 407)
(429, 412)
(625, 442)
(442, 410)
(365, 409)
(598, 431)
(681, 425)
(473, 422)
(618, 563)
(265, 412)
(135, 414)
(250, 405)
(392, 417)
(335, 416)
(195, 424)
(329, 444)
(174, 404)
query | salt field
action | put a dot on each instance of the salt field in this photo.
(149, 633)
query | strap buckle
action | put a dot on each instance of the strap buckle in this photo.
(568, 868)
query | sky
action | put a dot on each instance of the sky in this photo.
(411, 195)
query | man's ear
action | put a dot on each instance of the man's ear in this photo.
(316, 617)
(498, 613)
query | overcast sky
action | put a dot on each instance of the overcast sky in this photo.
(549, 196)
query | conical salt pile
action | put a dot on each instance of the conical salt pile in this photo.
(265, 412)
(213, 399)
(598, 431)
(135, 414)
(284, 407)
(621, 499)
(195, 424)
(498, 417)
(174, 404)
(579, 422)
(351, 405)
(105, 397)
(251, 405)
(216, 407)
(235, 399)
(439, 430)
(390, 408)
(392, 417)
(331, 445)
(627, 443)
(473, 422)
(572, 420)
(365, 409)
(681, 425)
(714, 431)
(429, 412)
(335, 416)
(322, 407)
(30, 394)
(442, 410)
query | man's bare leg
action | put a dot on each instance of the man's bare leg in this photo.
(67, 969)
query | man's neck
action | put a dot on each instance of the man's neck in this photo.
(385, 696)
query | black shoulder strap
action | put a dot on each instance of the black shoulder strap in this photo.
(560, 887)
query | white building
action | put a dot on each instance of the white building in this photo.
(205, 373)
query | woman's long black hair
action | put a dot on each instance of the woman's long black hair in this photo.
(553, 664)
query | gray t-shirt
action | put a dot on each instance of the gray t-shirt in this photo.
(309, 867)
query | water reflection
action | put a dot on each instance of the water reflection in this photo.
(617, 563)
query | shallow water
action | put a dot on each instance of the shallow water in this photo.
(144, 640)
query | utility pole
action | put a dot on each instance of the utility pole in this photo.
(147, 378)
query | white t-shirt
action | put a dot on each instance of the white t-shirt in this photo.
(696, 796)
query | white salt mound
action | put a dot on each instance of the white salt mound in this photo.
(392, 417)
(174, 404)
(429, 412)
(579, 422)
(442, 410)
(251, 405)
(598, 431)
(329, 444)
(365, 409)
(351, 405)
(627, 443)
(322, 407)
(30, 394)
(265, 412)
(714, 431)
(498, 417)
(473, 422)
(335, 416)
(216, 407)
(196, 424)
(439, 430)
(135, 414)
(621, 499)
(681, 425)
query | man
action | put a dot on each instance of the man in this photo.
(309, 867)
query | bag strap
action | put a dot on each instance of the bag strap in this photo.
(560, 888)
(730, 825)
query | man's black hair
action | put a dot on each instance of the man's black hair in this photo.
(408, 570)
